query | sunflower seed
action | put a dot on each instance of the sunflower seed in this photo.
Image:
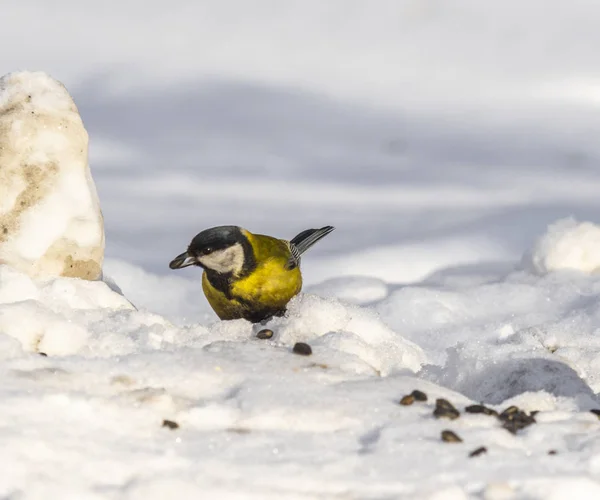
(481, 409)
(515, 419)
(450, 437)
(419, 395)
(407, 400)
(302, 349)
(479, 451)
(445, 409)
(265, 334)
(170, 424)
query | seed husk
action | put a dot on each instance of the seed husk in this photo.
(515, 419)
(302, 349)
(407, 400)
(445, 409)
(552, 452)
(450, 437)
(43, 354)
(170, 424)
(481, 409)
(509, 412)
(265, 334)
(479, 451)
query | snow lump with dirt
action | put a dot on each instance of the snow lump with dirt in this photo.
(50, 218)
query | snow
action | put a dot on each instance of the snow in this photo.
(567, 245)
(51, 220)
(454, 147)
(258, 421)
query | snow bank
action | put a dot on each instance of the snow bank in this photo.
(338, 327)
(56, 316)
(249, 415)
(567, 244)
(50, 218)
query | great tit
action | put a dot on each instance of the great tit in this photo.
(246, 275)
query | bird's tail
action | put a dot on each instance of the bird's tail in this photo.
(306, 239)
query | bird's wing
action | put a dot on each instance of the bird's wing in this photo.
(294, 260)
(303, 241)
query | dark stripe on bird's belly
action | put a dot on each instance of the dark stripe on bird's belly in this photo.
(221, 282)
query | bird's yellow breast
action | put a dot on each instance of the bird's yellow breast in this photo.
(264, 291)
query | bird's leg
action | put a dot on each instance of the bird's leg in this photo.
(264, 321)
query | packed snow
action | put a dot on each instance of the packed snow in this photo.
(454, 147)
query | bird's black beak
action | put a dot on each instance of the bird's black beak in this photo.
(181, 261)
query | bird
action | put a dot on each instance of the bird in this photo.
(245, 275)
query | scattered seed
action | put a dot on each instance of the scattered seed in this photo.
(552, 452)
(302, 349)
(407, 400)
(479, 451)
(515, 419)
(481, 409)
(596, 412)
(444, 403)
(445, 409)
(419, 395)
(170, 424)
(43, 354)
(450, 437)
(265, 334)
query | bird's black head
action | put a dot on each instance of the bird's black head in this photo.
(222, 249)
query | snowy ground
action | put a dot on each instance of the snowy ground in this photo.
(440, 138)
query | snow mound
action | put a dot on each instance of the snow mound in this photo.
(330, 324)
(513, 370)
(50, 218)
(348, 337)
(65, 316)
(567, 244)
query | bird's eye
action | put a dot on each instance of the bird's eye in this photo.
(207, 250)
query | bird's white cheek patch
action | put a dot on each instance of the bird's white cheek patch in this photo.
(228, 260)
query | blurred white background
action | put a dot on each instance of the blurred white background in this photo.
(431, 133)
